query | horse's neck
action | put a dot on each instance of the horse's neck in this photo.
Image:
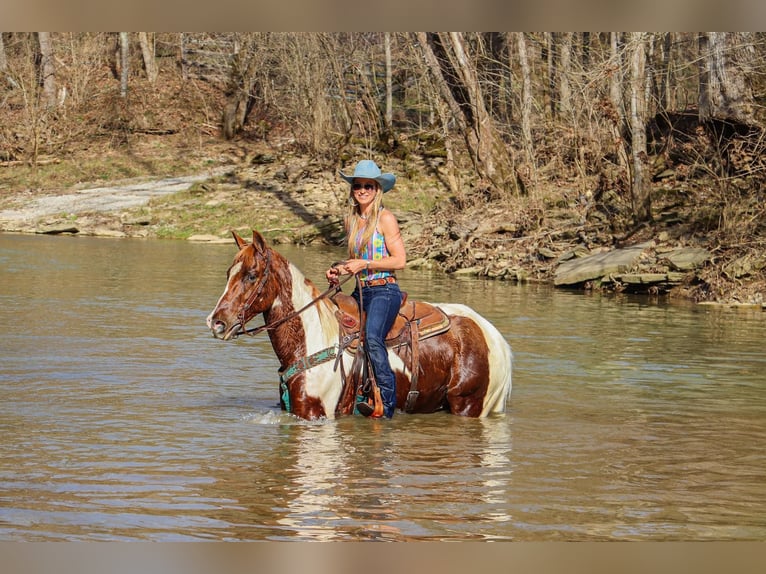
(312, 330)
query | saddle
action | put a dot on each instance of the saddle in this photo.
(416, 321)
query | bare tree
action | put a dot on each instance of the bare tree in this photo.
(526, 97)
(3, 59)
(459, 86)
(615, 76)
(147, 53)
(241, 86)
(47, 69)
(124, 63)
(565, 72)
(640, 182)
(724, 89)
(389, 90)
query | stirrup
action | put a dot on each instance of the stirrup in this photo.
(364, 408)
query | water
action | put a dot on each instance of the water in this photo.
(123, 419)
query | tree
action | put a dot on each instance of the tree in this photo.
(3, 59)
(47, 69)
(147, 53)
(565, 72)
(724, 91)
(239, 90)
(389, 94)
(526, 97)
(640, 181)
(459, 86)
(124, 63)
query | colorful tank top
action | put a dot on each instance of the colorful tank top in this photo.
(374, 250)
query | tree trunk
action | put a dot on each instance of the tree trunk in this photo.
(47, 69)
(550, 41)
(389, 89)
(724, 92)
(124, 64)
(526, 97)
(618, 124)
(241, 85)
(663, 96)
(615, 78)
(147, 53)
(565, 71)
(641, 198)
(3, 60)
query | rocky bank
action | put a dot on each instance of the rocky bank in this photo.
(293, 200)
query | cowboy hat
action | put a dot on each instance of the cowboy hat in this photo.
(368, 169)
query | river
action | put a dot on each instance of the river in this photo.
(122, 418)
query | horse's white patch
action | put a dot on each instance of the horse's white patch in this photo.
(321, 331)
(234, 270)
(232, 273)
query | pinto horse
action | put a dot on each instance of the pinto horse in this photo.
(465, 369)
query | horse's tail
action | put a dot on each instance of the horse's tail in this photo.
(500, 360)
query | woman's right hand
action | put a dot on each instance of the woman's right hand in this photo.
(333, 273)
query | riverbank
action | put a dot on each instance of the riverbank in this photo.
(558, 236)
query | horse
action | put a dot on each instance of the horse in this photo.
(464, 368)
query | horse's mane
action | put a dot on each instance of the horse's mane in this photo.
(309, 292)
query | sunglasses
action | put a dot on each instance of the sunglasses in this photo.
(366, 186)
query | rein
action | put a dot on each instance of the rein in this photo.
(334, 288)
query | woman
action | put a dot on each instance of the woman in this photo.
(376, 251)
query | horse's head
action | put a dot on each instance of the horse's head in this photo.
(247, 292)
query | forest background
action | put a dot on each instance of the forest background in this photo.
(515, 151)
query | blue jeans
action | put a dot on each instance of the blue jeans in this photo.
(381, 303)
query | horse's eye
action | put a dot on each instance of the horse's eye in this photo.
(251, 277)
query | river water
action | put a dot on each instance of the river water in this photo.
(123, 419)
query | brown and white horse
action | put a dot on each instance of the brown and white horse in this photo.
(465, 370)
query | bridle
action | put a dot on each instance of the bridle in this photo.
(257, 292)
(241, 316)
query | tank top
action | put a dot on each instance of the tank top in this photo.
(374, 250)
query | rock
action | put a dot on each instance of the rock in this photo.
(687, 258)
(599, 265)
(206, 238)
(676, 277)
(642, 278)
(744, 266)
(420, 263)
(57, 228)
(105, 232)
(138, 220)
(468, 271)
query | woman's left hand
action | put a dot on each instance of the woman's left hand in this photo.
(354, 266)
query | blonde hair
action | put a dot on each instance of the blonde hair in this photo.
(354, 224)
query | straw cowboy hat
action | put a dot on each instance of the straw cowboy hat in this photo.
(368, 169)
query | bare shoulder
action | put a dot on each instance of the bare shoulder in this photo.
(388, 219)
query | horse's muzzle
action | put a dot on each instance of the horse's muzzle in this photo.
(220, 330)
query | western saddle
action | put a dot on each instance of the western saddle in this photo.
(416, 321)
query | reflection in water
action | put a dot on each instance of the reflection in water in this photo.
(123, 419)
(316, 476)
(496, 467)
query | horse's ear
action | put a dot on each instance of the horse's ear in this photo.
(239, 241)
(258, 241)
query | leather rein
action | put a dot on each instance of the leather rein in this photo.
(332, 289)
